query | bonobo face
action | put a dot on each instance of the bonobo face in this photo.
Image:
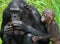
(47, 16)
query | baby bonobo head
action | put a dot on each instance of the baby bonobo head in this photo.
(47, 15)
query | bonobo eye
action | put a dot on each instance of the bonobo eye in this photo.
(47, 18)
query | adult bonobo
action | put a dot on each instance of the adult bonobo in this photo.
(7, 18)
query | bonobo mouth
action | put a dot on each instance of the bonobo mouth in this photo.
(43, 19)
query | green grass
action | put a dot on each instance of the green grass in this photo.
(40, 5)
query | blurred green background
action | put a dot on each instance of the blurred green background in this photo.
(40, 5)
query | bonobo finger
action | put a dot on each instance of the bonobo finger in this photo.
(17, 23)
(33, 39)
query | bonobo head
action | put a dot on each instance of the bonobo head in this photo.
(47, 16)
(14, 11)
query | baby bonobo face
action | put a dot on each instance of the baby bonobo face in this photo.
(48, 15)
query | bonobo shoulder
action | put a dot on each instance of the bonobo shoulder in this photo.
(33, 10)
(54, 23)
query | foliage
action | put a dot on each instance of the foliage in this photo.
(40, 5)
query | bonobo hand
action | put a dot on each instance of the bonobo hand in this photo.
(17, 23)
(34, 38)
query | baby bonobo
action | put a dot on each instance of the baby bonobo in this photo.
(51, 26)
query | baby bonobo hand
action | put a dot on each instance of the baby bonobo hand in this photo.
(34, 39)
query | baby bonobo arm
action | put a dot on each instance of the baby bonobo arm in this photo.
(52, 33)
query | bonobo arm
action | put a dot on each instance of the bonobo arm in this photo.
(53, 30)
(6, 17)
(27, 28)
(36, 18)
(34, 14)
